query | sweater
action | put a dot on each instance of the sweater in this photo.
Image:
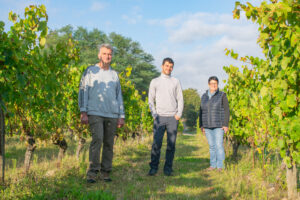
(100, 93)
(165, 96)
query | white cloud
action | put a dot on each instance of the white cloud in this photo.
(97, 6)
(134, 16)
(132, 19)
(197, 41)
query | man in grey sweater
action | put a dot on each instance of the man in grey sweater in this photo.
(166, 105)
(101, 106)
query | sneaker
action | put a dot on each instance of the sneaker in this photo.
(220, 169)
(105, 177)
(210, 169)
(152, 172)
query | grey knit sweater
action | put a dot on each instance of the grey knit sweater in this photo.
(165, 96)
(100, 93)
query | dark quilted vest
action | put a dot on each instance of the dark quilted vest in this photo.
(212, 110)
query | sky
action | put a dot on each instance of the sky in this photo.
(192, 32)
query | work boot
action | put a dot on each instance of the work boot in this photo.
(105, 176)
(91, 179)
(152, 172)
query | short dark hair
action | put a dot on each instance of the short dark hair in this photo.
(214, 78)
(168, 60)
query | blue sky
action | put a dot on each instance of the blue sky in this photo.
(193, 32)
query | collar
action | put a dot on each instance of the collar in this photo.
(109, 68)
(165, 76)
(212, 94)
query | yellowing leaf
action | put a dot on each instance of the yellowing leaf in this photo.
(285, 61)
(278, 112)
(264, 91)
(42, 41)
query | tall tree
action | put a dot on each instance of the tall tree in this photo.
(130, 53)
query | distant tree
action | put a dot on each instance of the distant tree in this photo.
(126, 52)
(88, 43)
(191, 116)
(130, 53)
(191, 107)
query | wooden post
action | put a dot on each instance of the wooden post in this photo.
(291, 179)
(2, 144)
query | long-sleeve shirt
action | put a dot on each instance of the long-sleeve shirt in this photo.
(165, 96)
(100, 93)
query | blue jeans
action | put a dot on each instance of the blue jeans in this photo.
(161, 124)
(216, 150)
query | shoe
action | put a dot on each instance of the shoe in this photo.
(210, 169)
(152, 172)
(168, 173)
(105, 177)
(220, 169)
(90, 180)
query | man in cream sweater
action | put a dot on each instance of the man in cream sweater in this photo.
(166, 105)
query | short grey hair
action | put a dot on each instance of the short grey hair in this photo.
(106, 45)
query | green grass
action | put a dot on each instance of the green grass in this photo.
(130, 181)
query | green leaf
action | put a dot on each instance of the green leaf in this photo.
(42, 25)
(234, 55)
(294, 40)
(291, 100)
(287, 161)
(12, 17)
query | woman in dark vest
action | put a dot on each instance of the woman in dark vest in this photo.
(213, 121)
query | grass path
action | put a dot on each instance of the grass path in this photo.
(189, 180)
(130, 180)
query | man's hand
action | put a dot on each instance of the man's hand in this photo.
(203, 130)
(121, 122)
(177, 117)
(225, 129)
(84, 118)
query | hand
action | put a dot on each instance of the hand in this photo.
(203, 130)
(177, 117)
(225, 129)
(121, 122)
(84, 118)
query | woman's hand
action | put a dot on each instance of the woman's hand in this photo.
(225, 129)
(203, 130)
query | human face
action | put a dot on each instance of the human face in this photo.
(167, 68)
(213, 85)
(105, 55)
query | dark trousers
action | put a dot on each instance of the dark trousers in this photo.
(161, 124)
(103, 131)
